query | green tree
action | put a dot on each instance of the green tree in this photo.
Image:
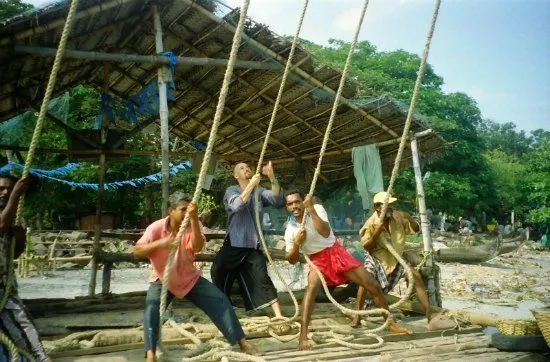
(536, 185)
(9, 8)
(505, 137)
(460, 179)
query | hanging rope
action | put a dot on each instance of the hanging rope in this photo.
(295, 42)
(393, 176)
(318, 172)
(207, 155)
(30, 155)
(399, 155)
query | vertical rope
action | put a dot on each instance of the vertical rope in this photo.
(337, 101)
(414, 98)
(399, 155)
(295, 42)
(208, 153)
(318, 171)
(394, 172)
(35, 136)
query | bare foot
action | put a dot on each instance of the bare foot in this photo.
(355, 322)
(284, 329)
(304, 345)
(394, 328)
(150, 357)
(432, 315)
(249, 349)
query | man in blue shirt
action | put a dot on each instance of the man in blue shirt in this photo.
(241, 255)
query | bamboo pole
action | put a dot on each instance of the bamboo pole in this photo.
(163, 72)
(52, 252)
(348, 150)
(58, 22)
(148, 59)
(100, 190)
(106, 280)
(424, 223)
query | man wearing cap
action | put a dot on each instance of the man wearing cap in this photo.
(379, 262)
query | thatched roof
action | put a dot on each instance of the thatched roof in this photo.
(205, 29)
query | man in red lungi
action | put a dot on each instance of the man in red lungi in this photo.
(317, 241)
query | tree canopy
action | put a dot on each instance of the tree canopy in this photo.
(488, 165)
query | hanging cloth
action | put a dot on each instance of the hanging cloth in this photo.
(367, 169)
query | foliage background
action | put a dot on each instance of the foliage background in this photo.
(488, 166)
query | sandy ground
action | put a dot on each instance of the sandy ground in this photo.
(508, 286)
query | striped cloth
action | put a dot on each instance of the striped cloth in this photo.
(387, 282)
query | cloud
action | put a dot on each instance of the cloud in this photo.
(347, 20)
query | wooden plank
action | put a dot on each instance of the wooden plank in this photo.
(137, 58)
(334, 352)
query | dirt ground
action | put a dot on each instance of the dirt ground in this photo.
(508, 286)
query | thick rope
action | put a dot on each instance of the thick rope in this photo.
(394, 172)
(208, 153)
(412, 106)
(318, 171)
(30, 155)
(404, 137)
(295, 42)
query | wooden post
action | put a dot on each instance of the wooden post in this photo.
(146, 59)
(424, 223)
(100, 189)
(163, 72)
(106, 281)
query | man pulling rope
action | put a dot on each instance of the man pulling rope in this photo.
(315, 238)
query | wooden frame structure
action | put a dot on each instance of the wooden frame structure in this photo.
(122, 33)
(116, 47)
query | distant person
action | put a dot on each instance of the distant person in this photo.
(348, 223)
(15, 321)
(185, 280)
(266, 222)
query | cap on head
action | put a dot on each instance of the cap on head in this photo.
(380, 197)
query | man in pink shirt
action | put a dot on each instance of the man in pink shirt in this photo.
(185, 280)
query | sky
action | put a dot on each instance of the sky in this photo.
(496, 51)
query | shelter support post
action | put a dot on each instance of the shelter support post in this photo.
(163, 73)
(100, 189)
(424, 223)
(106, 281)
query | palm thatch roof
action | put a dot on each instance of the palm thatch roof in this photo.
(205, 29)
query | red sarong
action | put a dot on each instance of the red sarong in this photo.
(333, 262)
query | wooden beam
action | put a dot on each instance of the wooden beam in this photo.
(298, 72)
(283, 107)
(163, 72)
(348, 150)
(149, 59)
(424, 222)
(193, 46)
(100, 190)
(59, 22)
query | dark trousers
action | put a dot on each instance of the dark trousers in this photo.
(249, 268)
(203, 295)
